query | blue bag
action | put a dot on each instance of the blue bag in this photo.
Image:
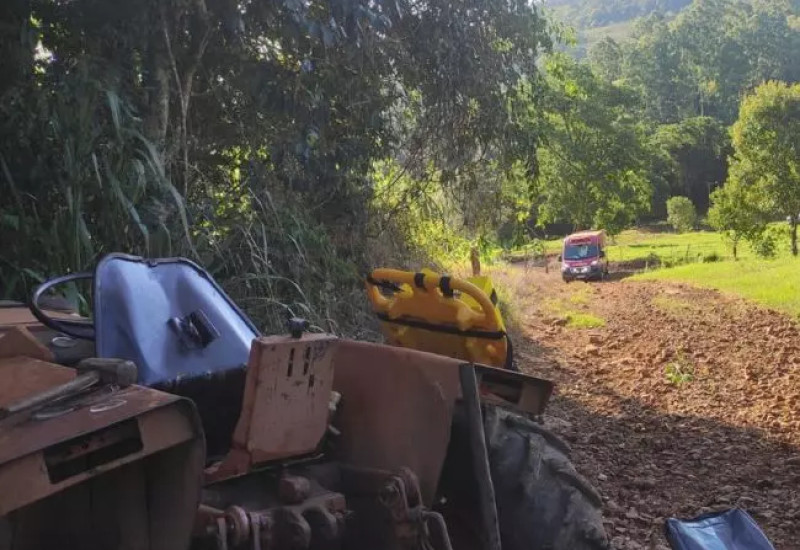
(729, 530)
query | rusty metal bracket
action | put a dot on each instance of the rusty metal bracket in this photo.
(477, 441)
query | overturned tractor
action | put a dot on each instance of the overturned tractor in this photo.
(167, 421)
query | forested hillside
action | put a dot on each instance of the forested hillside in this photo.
(600, 13)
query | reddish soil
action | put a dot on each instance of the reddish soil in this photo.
(727, 435)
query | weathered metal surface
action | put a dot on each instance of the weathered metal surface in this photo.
(397, 405)
(66, 350)
(21, 316)
(396, 409)
(21, 377)
(19, 341)
(108, 469)
(24, 441)
(91, 372)
(129, 503)
(286, 402)
(51, 395)
(293, 489)
(513, 389)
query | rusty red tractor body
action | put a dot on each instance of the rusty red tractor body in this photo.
(337, 444)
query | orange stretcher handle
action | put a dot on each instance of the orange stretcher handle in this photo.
(432, 282)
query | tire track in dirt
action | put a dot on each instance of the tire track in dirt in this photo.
(722, 430)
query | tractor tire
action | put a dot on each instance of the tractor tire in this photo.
(542, 502)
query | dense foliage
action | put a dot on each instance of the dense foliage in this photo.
(766, 141)
(690, 73)
(598, 13)
(592, 165)
(245, 134)
(700, 63)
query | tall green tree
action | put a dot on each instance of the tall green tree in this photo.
(698, 148)
(766, 142)
(700, 63)
(606, 58)
(654, 66)
(736, 211)
(592, 166)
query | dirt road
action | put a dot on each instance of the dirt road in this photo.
(685, 401)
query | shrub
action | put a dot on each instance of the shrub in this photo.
(653, 260)
(680, 371)
(765, 243)
(681, 214)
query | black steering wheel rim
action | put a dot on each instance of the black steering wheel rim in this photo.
(83, 330)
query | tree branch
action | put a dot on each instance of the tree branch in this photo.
(200, 36)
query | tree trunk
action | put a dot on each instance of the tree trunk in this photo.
(17, 42)
(735, 243)
(192, 55)
(794, 236)
(475, 257)
(157, 77)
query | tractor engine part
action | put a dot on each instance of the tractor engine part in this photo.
(271, 510)
(368, 509)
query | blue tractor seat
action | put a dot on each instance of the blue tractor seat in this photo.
(175, 322)
(184, 333)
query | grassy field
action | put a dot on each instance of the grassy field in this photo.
(673, 248)
(670, 248)
(773, 283)
(704, 258)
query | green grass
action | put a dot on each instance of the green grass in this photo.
(773, 283)
(673, 248)
(553, 246)
(679, 372)
(565, 308)
(581, 296)
(669, 248)
(583, 320)
(702, 258)
(672, 305)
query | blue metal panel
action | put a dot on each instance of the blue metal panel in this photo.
(169, 317)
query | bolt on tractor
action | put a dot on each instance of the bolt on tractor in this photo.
(164, 420)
